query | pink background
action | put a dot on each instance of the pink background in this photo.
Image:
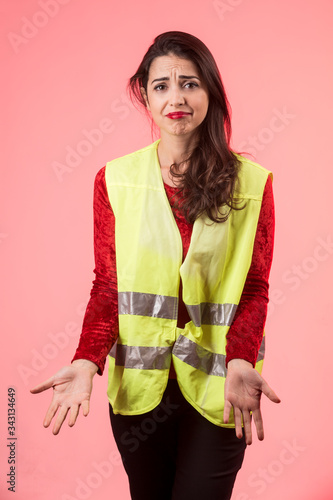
(66, 67)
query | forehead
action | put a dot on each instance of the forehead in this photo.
(166, 65)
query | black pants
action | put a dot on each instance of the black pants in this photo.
(174, 453)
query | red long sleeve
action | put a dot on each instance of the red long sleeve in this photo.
(100, 325)
(245, 334)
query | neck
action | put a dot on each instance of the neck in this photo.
(174, 149)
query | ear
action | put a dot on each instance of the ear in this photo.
(145, 97)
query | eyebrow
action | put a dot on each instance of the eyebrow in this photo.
(166, 78)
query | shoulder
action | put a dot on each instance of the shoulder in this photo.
(100, 176)
(251, 167)
(100, 190)
(131, 158)
(268, 197)
(252, 178)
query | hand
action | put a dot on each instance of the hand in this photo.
(243, 389)
(72, 386)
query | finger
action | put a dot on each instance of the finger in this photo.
(85, 407)
(269, 392)
(43, 386)
(226, 411)
(247, 426)
(74, 411)
(257, 417)
(60, 419)
(52, 409)
(238, 423)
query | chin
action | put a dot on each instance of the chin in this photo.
(182, 129)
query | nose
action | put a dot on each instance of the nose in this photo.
(176, 96)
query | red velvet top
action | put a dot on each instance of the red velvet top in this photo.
(100, 324)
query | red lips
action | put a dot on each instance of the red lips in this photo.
(177, 114)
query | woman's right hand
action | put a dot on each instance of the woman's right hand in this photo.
(72, 386)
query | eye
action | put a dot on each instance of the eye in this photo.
(191, 85)
(161, 86)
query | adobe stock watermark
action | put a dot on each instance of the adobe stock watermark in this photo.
(265, 476)
(58, 342)
(92, 138)
(299, 273)
(149, 425)
(225, 7)
(41, 358)
(92, 481)
(31, 27)
(278, 122)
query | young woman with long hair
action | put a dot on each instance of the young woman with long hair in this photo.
(184, 232)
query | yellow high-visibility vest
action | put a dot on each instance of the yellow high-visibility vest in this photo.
(149, 269)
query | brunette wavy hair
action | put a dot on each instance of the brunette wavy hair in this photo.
(209, 181)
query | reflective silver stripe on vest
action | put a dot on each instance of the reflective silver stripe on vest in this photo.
(159, 358)
(212, 314)
(198, 357)
(148, 304)
(141, 357)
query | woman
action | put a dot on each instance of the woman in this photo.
(184, 233)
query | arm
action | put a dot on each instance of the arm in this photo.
(72, 385)
(245, 334)
(244, 385)
(100, 325)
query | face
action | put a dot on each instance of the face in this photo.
(176, 95)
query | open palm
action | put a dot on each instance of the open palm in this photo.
(243, 389)
(72, 386)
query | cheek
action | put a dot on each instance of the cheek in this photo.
(202, 102)
(203, 107)
(156, 105)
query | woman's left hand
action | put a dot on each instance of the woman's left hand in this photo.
(243, 389)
